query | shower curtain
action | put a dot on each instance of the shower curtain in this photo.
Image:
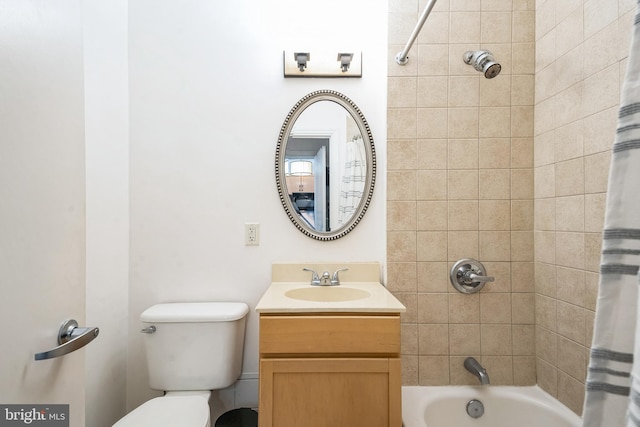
(353, 180)
(613, 381)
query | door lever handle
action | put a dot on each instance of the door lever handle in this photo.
(70, 338)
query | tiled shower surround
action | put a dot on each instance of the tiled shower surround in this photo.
(472, 174)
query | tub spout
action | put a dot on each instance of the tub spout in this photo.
(476, 369)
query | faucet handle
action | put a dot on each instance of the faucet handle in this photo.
(469, 276)
(336, 279)
(315, 279)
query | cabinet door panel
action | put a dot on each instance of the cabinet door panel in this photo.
(329, 392)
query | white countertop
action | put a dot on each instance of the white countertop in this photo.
(379, 300)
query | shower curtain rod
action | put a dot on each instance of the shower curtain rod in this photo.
(401, 57)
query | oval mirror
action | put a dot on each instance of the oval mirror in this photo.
(325, 165)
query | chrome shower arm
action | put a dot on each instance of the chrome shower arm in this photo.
(401, 57)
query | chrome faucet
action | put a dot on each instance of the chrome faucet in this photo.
(472, 365)
(326, 279)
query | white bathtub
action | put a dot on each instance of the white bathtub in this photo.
(504, 406)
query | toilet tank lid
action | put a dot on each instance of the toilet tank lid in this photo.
(190, 312)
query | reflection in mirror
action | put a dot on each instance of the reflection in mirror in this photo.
(325, 165)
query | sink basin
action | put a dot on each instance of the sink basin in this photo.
(327, 294)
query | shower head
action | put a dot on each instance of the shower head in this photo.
(483, 61)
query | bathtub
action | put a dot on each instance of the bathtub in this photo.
(503, 406)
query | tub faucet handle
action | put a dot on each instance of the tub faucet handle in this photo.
(469, 276)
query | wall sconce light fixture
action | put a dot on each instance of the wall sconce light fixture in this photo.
(345, 61)
(298, 64)
(301, 59)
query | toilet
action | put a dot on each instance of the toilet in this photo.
(191, 348)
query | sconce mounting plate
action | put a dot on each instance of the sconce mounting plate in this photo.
(324, 63)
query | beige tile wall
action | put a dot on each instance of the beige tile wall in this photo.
(460, 185)
(576, 102)
(472, 174)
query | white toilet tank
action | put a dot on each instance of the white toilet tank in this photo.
(195, 345)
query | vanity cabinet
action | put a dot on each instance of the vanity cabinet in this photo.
(329, 369)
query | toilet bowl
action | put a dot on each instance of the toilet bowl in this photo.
(169, 411)
(191, 349)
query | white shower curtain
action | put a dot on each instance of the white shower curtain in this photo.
(353, 180)
(613, 381)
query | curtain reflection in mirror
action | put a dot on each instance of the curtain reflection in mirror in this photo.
(353, 179)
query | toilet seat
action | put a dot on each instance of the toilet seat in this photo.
(169, 411)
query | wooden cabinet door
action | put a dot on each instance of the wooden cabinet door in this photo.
(328, 392)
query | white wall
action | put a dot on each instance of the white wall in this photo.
(207, 100)
(106, 105)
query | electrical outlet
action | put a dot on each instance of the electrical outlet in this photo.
(252, 234)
